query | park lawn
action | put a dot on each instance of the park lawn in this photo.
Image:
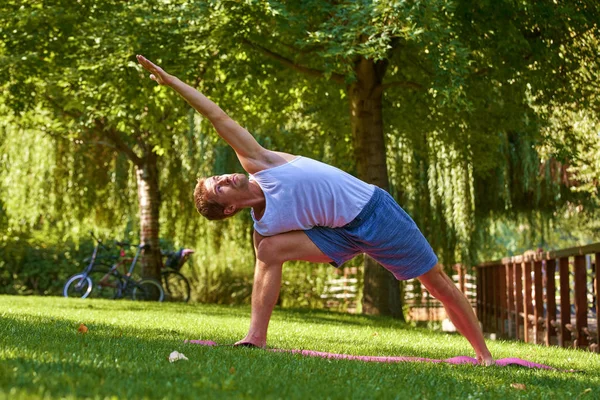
(125, 351)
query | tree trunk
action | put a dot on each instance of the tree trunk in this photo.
(149, 202)
(381, 292)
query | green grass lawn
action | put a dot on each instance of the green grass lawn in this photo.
(124, 355)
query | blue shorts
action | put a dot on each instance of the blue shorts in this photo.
(384, 231)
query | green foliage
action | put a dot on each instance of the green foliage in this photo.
(490, 114)
(571, 226)
(463, 145)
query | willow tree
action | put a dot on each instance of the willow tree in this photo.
(464, 64)
(75, 63)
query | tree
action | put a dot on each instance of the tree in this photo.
(449, 55)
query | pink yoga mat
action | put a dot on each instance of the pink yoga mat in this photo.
(454, 360)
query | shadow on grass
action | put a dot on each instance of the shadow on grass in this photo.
(313, 317)
(64, 331)
(291, 314)
(340, 318)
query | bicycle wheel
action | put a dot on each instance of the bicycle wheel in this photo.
(79, 285)
(177, 287)
(148, 290)
(105, 285)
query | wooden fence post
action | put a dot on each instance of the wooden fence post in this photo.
(526, 299)
(518, 298)
(484, 312)
(510, 299)
(501, 279)
(490, 298)
(495, 297)
(461, 278)
(550, 300)
(538, 312)
(565, 301)
(484, 296)
(581, 306)
(597, 291)
(479, 295)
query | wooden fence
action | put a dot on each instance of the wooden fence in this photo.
(341, 292)
(542, 297)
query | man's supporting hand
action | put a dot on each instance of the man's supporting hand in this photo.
(156, 73)
(485, 360)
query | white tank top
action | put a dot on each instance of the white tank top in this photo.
(304, 193)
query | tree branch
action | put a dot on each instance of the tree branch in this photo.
(103, 143)
(120, 145)
(339, 78)
(110, 134)
(296, 50)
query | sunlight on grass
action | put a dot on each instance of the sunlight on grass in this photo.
(124, 354)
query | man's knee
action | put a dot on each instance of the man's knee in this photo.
(269, 251)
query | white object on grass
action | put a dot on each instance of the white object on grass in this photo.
(448, 326)
(176, 356)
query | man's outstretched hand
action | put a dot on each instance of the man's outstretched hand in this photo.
(156, 73)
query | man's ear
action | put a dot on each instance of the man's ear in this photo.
(229, 210)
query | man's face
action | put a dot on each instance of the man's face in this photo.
(225, 189)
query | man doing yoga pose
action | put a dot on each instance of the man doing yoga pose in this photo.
(310, 211)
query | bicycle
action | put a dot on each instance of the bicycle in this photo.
(177, 287)
(81, 284)
(108, 282)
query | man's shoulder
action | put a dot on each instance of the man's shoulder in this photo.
(272, 159)
(280, 158)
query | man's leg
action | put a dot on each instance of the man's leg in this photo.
(271, 253)
(458, 309)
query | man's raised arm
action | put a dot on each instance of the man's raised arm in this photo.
(251, 154)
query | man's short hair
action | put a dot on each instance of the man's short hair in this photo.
(209, 209)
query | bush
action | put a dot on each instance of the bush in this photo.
(30, 265)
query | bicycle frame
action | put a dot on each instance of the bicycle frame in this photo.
(90, 266)
(88, 269)
(127, 277)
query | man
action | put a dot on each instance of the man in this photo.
(306, 210)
